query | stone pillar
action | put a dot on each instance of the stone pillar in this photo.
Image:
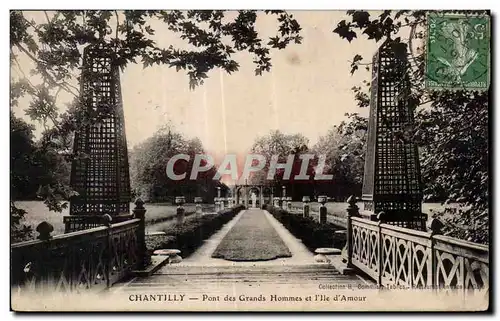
(216, 203)
(352, 211)
(246, 196)
(140, 213)
(261, 197)
(198, 201)
(305, 206)
(276, 202)
(179, 200)
(322, 209)
(289, 204)
(218, 206)
(283, 203)
(283, 197)
(223, 203)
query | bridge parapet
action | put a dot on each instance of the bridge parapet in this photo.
(91, 259)
(394, 255)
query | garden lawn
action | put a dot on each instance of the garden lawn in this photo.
(37, 212)
(252, 238)
(340, 208)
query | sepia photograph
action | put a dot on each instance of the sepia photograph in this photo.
(250, 160)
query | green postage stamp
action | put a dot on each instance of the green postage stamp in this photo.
(458, 51)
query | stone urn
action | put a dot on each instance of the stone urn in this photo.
(216, 202)
(289, 203)
(180, 200)
(198, 200)
(221, 203)
(283, 202)
(276, 202)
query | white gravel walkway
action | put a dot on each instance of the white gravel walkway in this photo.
(202, 256)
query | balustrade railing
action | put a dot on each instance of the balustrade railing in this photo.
(394, 255)
(91, 259)
(74, 223)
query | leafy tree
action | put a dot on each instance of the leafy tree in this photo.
(214, 38)
(37, 170)
(451, 126)
(19, 231)
(344, 148)
(22, 149)
(21, 170)
(283, 145)
(454, 161)
(148, 163)
(55, 46)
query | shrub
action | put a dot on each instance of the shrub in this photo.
(189, 235)
(312, 233)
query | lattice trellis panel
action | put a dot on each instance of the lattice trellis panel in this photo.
(392, 174)
(100, 173)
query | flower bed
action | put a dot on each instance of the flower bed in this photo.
(189, 235)
(313, 234)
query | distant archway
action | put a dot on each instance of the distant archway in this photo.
(243, 194)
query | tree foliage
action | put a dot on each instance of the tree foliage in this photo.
(36, 171)
(54, 47)
(213, 38)
(148, 162)
(344, 147)
(451, 126)
(282, 145)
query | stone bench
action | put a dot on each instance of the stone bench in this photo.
(173, 255)
(322, 252)
(155, 233)
(340, 235)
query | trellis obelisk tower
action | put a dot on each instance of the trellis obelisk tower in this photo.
(100, 170)
(392, 181)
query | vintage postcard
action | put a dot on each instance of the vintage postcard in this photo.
(213, 160)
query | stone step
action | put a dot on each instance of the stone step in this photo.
(192, 279)
(176, 269)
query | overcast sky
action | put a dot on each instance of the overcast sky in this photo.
(307, 91)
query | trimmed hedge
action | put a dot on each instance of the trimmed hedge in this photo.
(188, 236)
(170, 217)
(313, 234)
